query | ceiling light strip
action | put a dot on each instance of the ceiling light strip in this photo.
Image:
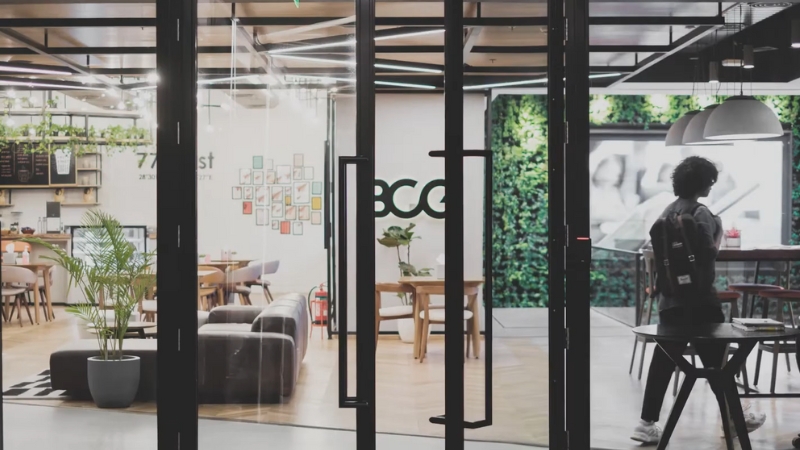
(32, 70)
(50, 85)
(352, 42)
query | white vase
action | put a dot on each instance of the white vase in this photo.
(405, 327)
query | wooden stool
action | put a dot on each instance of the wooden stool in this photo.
(395, 312)
(781, 296)
(752, 290)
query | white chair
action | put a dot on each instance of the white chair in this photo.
(19, 281)
(241, 280)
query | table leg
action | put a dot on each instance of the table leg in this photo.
(47, 296)
(416, 308)
(719, 392)
(677, 409)
(36, 299)
(476, 325)
(735, 408)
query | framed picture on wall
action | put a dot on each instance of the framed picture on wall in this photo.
(308, 173)
(316, 218)
(261, 217)
(297, 228)
(271, 178)
(236, 193)
(277, 210)
(247, 208)
(284, 174)
(268, 165)
(316, 188)
(258, 162)
(277, 194)
(258, 177)
(299, 159)
(302, 192)
(316, 203)
(291, 212)
(262, 196)
(248, 192)
(297, 173)
(304, 212)
(276, 225)
(286, 227)
(245, 176)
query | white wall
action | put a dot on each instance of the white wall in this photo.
(407, 128)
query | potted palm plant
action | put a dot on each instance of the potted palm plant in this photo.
(400, 238)
(112, 276)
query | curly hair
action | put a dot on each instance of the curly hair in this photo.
(693, 176)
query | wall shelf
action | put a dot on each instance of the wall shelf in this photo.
(79, 204)
(7, 206)
(88, 170)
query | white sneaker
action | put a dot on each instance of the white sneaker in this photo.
(647, 433)
(753, 421)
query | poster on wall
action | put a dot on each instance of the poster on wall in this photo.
(245, 176)
(236, 193)
(248, 192)
(302, 192)
(247, 208)
(270, 177)
(261, 217)
(258, 177)
(262, 196)
(284, 174)
(631, 185)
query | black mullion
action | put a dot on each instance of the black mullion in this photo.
(577, 214)
(176, 62)
(365, 224)
(454, 223)
(555, 211)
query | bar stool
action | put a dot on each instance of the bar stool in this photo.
(781, 296)
(752, 290)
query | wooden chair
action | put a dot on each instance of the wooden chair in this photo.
(436, 316)
(395, 312)
(239, 281)
(210, 288)
(148, 306)
(782, 296)
(19, 281)
(644, 315)
(267, 269)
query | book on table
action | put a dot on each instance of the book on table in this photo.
(758, 324)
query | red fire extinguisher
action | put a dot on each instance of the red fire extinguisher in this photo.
(318, 309)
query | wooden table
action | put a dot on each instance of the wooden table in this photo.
(44, 268)
(225, 265)
(435, 286)
(133, 327)
(722, 379)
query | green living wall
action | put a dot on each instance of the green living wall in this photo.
(519, 213)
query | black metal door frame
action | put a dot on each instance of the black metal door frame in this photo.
(176, 61)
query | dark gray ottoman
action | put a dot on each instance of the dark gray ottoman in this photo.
(68, 366)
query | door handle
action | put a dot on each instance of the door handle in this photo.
(487, 285)
(345, 401)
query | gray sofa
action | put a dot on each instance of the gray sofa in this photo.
(246, 354)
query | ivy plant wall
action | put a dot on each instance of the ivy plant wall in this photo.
(519, 143)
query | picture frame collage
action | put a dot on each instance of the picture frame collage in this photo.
(284, 197)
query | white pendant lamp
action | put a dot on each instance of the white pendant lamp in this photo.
(742, 118)
(676, 131)
(694, 130)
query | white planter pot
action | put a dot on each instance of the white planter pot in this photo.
(733, 242)
(405, 328)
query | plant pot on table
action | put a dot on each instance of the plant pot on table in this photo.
(113, 383)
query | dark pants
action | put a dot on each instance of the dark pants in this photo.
(662, 368)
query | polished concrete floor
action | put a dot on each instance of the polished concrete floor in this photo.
(43, 427)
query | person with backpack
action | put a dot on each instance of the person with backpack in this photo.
(685, 240)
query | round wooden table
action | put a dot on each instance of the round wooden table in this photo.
(722, 379)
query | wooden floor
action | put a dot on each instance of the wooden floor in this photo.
(409, 392)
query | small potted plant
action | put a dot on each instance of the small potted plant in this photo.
(733, 238)
(397, 238)
(112, 276)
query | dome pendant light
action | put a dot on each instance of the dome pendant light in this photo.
(677, 130)
(694, 130)
(742, 118)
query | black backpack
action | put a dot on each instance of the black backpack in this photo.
(676, 241)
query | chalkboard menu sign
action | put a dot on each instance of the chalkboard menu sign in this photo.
(21, 169)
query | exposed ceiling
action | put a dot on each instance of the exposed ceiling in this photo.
(312, 45)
